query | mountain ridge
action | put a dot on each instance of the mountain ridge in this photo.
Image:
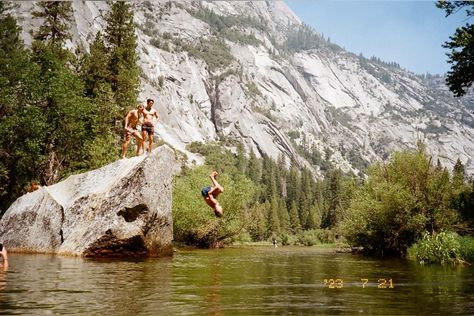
(252, 71)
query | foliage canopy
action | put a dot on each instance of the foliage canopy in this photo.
(461, 46)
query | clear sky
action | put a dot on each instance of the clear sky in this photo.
(407, 32)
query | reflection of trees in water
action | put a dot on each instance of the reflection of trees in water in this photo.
(260, 280)
(136, 287)
(437, 284)
(213, 296)
(76, 285)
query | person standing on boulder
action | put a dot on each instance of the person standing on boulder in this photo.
(210, 194)
(131, 121)
(148, 126)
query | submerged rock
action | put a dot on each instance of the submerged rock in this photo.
(122, 209)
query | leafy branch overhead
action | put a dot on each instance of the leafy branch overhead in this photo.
(461, 46)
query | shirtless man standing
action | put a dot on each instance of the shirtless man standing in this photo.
(148, 126)
(131, 121)
(210, 194)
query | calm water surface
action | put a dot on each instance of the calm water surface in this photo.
(237, 281)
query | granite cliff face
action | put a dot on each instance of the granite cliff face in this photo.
(275, 93)
(122, 209)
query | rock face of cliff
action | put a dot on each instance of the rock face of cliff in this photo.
(122, 209)
(278, 88)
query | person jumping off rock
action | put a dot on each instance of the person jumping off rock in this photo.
(210, 194)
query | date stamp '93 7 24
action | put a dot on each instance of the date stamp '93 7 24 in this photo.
(381, 283)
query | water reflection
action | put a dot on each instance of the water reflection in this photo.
(262, 280)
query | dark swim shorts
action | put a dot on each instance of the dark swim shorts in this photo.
(205, 191)
(148, 127)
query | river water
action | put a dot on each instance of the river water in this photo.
(235, 281)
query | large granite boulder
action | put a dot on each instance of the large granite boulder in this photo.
(122, 209)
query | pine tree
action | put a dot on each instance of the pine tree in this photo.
(21, 125)
(272, 218)
(106, 115)
(254, 168)
(258, 225)
(94, 67)
(459, 172)
(333, 197)
(241, 159)
(463, 196)
(461, 45)
(306, 197)
(293, 186)
(122, 44)
(56, 17)
(95, 75)
(12, 59)
(314, 217)
(283, 216)
(281, 175)
(294, 218)
(62, 103)
(268, 179)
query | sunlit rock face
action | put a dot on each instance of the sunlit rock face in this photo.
(122, 209)
(338, 106)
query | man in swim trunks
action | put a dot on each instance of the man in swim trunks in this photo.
(131, 122)
(210, 194)
(148, 126)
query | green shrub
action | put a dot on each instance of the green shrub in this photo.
(161, 80)
(308, 238)
(220, 23)
(195, 222)
(241, 38)
(253, 90)
(466, 248)
(287, 239)
(242, 238)
(161, 44)
(293, 134)
(439, 248)
(325, 236)
(443, 248)
(400, 200)
(214, 52)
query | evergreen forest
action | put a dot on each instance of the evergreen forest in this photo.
(61, 112)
